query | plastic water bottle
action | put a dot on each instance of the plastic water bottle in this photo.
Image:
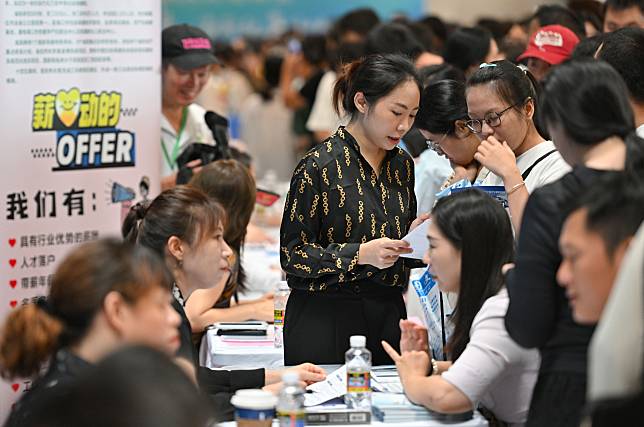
(290, 403)
(358, 360)
(279, 299)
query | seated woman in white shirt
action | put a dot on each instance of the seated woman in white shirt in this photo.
(470, 239)
(501, 100)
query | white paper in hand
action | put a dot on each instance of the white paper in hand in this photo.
(334, 386)
(417, 239)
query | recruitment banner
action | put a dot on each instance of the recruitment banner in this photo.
(80, 130)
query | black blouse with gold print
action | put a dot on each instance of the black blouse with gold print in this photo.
(335, 203)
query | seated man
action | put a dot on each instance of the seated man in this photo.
(594, 240)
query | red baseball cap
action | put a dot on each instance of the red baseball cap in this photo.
(552, 43)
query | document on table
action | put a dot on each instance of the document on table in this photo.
(386, 379)
(417, 239)
(334, 386)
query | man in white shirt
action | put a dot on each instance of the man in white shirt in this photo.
(187, 55)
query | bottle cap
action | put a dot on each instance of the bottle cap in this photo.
(358, 341)
(283, 286)
(290, 377)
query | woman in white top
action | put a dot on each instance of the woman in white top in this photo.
(470, 239)
(501, 99)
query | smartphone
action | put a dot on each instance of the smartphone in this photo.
(240, 328)
(265, 197)
(243, 332)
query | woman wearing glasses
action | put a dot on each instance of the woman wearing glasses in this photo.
(442, 120)
(501, 100)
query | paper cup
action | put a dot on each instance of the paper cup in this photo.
(254, 408)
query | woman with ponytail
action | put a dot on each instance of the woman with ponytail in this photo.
(350, 203)
(501, 104)
(105, 294)
(186, 228)
(586, 110)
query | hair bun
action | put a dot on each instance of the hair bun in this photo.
(140, 209)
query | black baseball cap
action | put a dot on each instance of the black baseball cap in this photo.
(187, 47)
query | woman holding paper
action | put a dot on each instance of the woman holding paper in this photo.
(470, 239)
(350, 203)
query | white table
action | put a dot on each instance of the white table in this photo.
(225, 351)
(476, 421)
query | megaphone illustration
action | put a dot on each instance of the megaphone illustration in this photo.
(121, 193)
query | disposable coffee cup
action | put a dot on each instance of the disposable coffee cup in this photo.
(254, 408)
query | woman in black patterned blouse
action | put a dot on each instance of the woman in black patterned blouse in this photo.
(350, 202)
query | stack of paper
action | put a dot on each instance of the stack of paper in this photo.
(385, 379)
(396, 408)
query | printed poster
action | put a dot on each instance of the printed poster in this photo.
(80, 118)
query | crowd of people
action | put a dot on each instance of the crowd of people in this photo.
(374, 124)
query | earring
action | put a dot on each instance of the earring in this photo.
(180, 263)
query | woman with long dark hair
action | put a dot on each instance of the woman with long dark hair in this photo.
(586, 110)
(470, 239)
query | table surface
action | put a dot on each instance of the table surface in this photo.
(226, 352)
(234, 353)
(476, 421)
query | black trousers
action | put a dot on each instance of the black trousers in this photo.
(318, 325)
(558, 400)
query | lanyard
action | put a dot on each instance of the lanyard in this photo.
(175, 150)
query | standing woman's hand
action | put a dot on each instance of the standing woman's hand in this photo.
(419, 220)
(382, 253)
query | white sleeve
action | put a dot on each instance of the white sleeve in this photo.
(553, 168)
(323, 116)
(488, 354)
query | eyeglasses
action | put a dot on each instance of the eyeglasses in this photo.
(493, 119)
(461, 130)
(435, 145)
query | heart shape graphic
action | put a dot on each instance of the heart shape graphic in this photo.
(12, 242)
(12, 262)
(15, 387)
(68, 106)
(13, 303)
(13, 283)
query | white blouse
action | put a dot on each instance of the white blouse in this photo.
(494, 370)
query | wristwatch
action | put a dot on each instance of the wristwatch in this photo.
(434, 367)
